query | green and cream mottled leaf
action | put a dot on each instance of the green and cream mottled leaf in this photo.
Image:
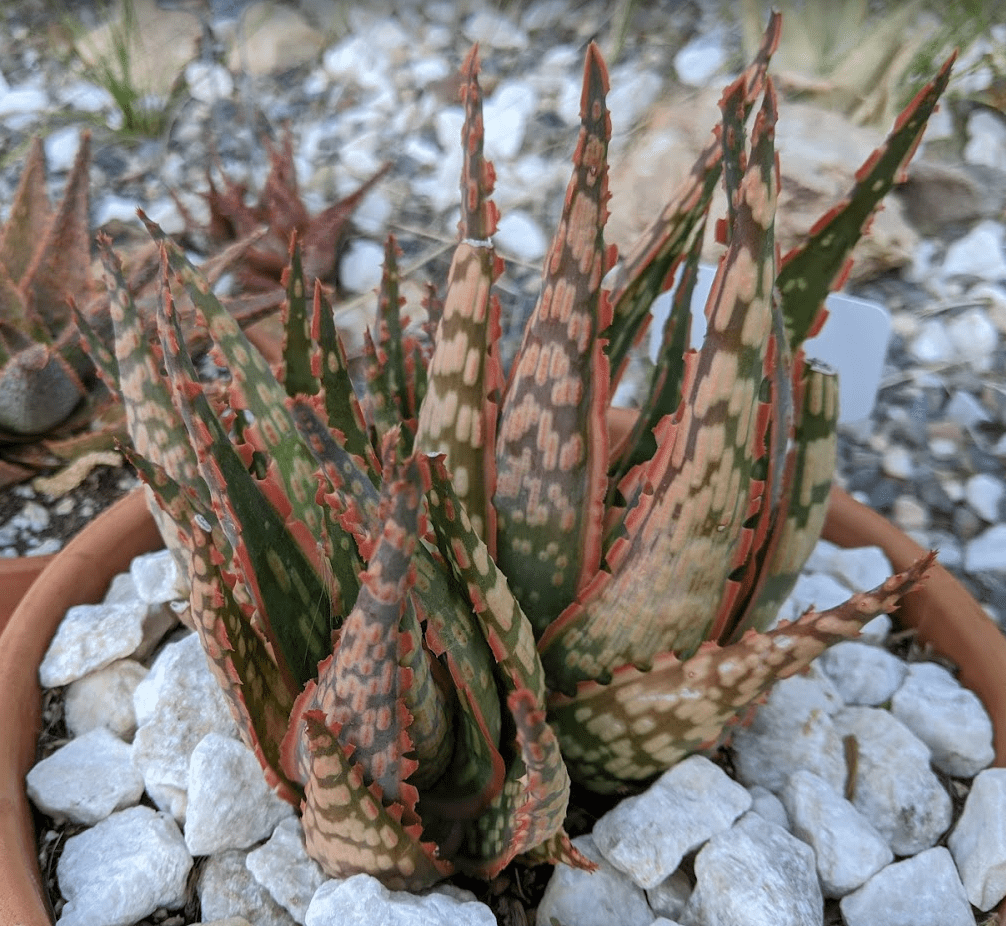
(552, 443)
(802, 510)
(348, 830)
(689, 535)
(809, 272)
(253, 387)
(451, 634)
(465, 379)
(298, 376)
(647, 270)
(328, 363)
(643, 722)
(155, 426)
(282, 576)
(241, 662)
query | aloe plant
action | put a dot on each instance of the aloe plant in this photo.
(433, 608)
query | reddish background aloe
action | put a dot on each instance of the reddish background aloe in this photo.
(432, 608)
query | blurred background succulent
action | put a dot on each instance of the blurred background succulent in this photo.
(53, 408)
(433, 608)
(44, 260)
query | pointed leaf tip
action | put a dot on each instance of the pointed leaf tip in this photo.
(595, 79)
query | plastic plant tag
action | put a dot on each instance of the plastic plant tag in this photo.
(853, 340)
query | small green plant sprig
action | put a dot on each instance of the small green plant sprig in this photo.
(432, 607)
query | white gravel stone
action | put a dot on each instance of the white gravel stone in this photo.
(860, 568)
(92, 636)
(229, 805)
(986, 139)
(87, 779)
(984, 494)
(586, 898)
(877, 631)
(863, 674)
(104, 699)
(897, 462)
(932, 344)
(360, 266)
(668, 898)
(20, 101)
(646, 836)
(283, 867)
(987, 551)
(506, 115)
(974, 338)
(910, 514)
(176, 706)
(494, 29)
(895, 789)
(923, 891)
(966, 410)
(978, 254)
(363, 899)
(846, 846)
(697, 62)
(978, 842)
(816, 590)
(757, 874)
(948, 718)
(519, 235)
(767, 805)
(155, 576)
(208, 82)
(123, 869)
(792, 730)
(227, 888)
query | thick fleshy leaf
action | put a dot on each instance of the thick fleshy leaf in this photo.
(648, 269)
(552, 443)
(348, 830)
(643, 722)
(664, 393)
(241, 662)
(801, 512)
(477, 769)
(688, 536)
(465, 379)
(389, 398)
(532, 805)
(61, 264)
(328, 364)
(822, 262)
(298, 377)
(155, 426)
(379, 678)
(30, 215)
(282, 575)
(253, 387)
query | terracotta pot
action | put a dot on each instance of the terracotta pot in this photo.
(16, 576)
(78, 574)
(945, 615)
